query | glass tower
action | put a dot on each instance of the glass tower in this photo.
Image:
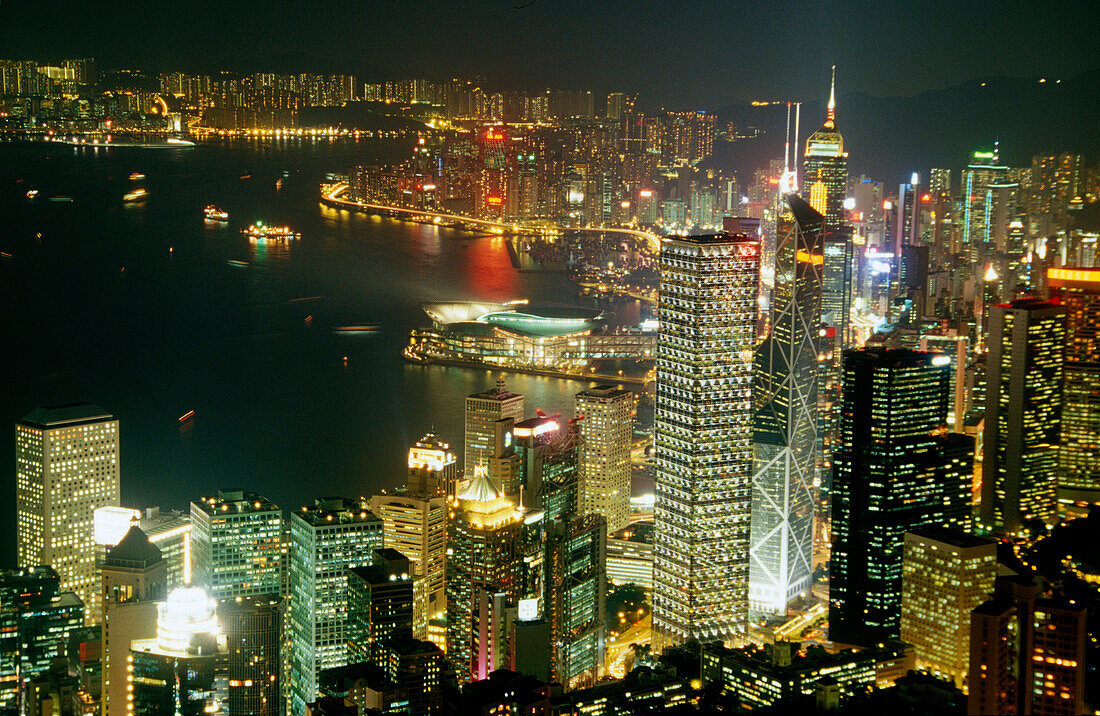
(707, 314)
(237, 545)
(785, 429)
(891, 478)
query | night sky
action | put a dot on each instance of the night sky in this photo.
(676, 54)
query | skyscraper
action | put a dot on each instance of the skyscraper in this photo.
(325, 541)
(785, 418)
(416, 526)
(983, 171)
(890, 479)
(66, 466)
(432, 467)
(1023, 411)
(253, 632)
(237, 545)
(606, 426)
(381, 598)
(483, 558)
(825, 177)
(703, 434)
(946, 574)
(1078, 290)
(482, 411)
(576, 599)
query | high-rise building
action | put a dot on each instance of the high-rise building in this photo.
(326, 540)
(890, 478)
(416, 526)
(946, 574)
(1078, 290)
(703, 433)
(576, 599)
(381, 605)
(135, 579)
(433, 468)
(237, 545)
(183, 669)
(253, 634)
(482, 412)
(785, 418)
(36, 618)
(606, 426)
(484, 557)
(983, 171)
(169, 530)
(825, 179)
(66, 466)
(1023, 411)
(417, 666)
(1027, 654)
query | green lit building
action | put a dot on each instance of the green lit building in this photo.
(326, 540)
(576, 599)
(237, 544)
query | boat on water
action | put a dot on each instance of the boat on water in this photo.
(135, 195)
(62, 199)
(136, 176)
(261, 232)
(358, 328)
(214, 213)
(32, 193)
(237, 264)
(278, 184)
(187, 416)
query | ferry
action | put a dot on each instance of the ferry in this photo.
(260, 232)
(213, 213)
(32, 193)
(237, 264)
(136, 176)
(135, 195)
(187, 416)
(358, 328)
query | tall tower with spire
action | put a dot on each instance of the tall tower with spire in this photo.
(825, 172)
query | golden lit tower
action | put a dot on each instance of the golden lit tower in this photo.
(826, 167)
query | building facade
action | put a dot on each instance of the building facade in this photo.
(66, 467)
(606, 426)
(704, 437)
(482, 411)
(237, 545)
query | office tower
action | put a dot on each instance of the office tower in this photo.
(545, 471)
(66, 466)
(826, 167)
(417, 666)
(784, 418)
(956, 478)
(237, 545)
(576, 599)
(416, 526)
(1023, 411)
(484, 557)
(983, 171)
(1055, 181)
(381, 598)
(183, 669)
(482, 411)
(135, 580)
(946, 574)
(325, 541)
(36, 618)
(1078, 290)
(169, 530)
(606, 426)
(253, 632)
(703, 433)
(889, 479)
(616, 103)
(433, 468)
(908, 231)
(1027, 654)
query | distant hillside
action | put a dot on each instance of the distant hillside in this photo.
(889, 137)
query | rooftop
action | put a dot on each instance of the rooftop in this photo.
(236, 501)
(68, 414)
(956, 538)
(134, 550)
(540, 319)
(336, 511)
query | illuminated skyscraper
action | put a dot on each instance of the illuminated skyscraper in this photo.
(381, 605)
(433, 468)
(66, 467)
(703, 433)
(484, 558)
(415, 525)
(184, 669)
(891, 478)
(237, 545)
(1023, 411)
(1079, 453)
(945, 575)
(482, 412)
(826, 167)
(325, 541)
(785, 412)
(253, 633)
(606, 426)
(169, 530)
(978, 202)
(576, 599)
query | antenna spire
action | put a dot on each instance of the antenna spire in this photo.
(831, 114)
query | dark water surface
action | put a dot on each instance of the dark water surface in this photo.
(135, 307)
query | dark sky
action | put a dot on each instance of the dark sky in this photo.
(700, 54)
